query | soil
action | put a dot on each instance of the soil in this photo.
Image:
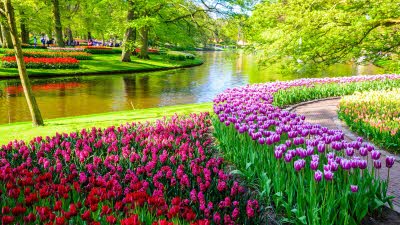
(388, 217)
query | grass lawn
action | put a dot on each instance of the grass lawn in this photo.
(107, 63)
(25, 131)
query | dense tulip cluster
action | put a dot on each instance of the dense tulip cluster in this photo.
(42, 63)
(287, 154)
(375, 114)
(54, 54)
(58, 49)
(121, 174)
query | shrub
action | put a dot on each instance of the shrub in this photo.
(71, 49)
(42, 54)
(174, 55)
(375, 115)
(305, 170)
(42, 63)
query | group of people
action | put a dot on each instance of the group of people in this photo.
(49, 41)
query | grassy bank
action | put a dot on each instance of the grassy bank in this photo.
(106, 64)
(25, 131)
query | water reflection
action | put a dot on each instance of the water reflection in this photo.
(60, 97)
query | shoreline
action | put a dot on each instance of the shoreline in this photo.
(100, 73)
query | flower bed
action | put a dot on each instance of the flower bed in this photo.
(42, 63)
(310, 173)
(42, 54)
(132, 174)
(150, 50)
(96, 49)
(71, 49)
(374, 114)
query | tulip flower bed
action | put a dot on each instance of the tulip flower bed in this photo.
(375, 114)
(133, 174)
(96, 49)
(42, 63)
(304, 90)
(42, 54)
(71, 49)
(310, 173)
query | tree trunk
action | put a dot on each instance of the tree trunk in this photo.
(144, 35)
(5, 32)
(130, 35)
(30, 98)
(69, 34)
(89, 35)
(57, 23)
(24, 28)
(1, 36)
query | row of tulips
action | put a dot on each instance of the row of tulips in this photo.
(309, 172)
(375, 114)
(50, 54)
(42, 63)
(60, 49)
(161, 173)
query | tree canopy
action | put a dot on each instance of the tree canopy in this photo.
(324, 31)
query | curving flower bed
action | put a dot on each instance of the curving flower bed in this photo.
(42, 54)
(310, 173)
(133, 174)
(42, 63)
(70, 49)
(374, 114)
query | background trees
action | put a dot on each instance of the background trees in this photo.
(324, 31)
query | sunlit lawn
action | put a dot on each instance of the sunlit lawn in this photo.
(25, 131)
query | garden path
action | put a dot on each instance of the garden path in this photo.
(324, 112)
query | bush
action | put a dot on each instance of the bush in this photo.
(375, 115)
(180, 56)
(42, 63)
(42, 54)
(96, 49)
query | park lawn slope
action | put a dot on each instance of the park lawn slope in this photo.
(25, 131)
(107, 64)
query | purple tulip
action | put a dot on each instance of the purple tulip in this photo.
(321, 147)
(363, 151)
(314, 165)
(299, 164)
(377, 164)
(362, 164)
(354, 188)
(375, 154)
(390, 161)
(278, 154)
(288, 157)
(328, 175)
(350, 151)
(318, 176)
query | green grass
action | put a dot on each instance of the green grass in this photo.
(25, 131)
(108, 63)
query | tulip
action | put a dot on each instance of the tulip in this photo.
(390, 161)
(354, 188)
(318, 175)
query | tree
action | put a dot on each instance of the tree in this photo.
(130, 34)
(8, 12)
(324, 32)
(57, 23)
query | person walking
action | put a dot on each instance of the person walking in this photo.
(34, 41)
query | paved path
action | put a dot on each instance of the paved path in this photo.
(325, 113)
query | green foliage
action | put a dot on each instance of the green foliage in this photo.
(296, 95)
(324, 32)
(181, 56)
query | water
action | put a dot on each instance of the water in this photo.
(73, 96)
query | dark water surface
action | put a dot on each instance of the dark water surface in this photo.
(72, 96)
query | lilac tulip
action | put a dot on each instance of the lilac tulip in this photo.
(299, 164)
(377, 164)
(318, 176)
(354, 188)
(328, 175)
(390, 161)
(375, 154)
